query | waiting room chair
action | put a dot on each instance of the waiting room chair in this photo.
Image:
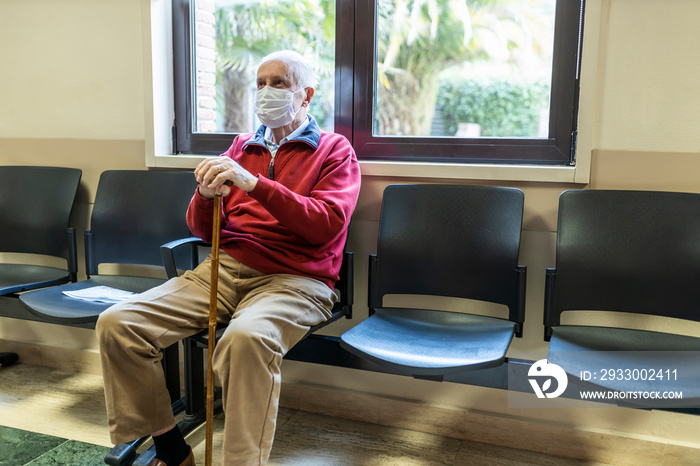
(443, 240)
(35, 208)
(626, 252)
(135, 212)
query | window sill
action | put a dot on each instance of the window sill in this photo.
(445, 171)
(458, 171)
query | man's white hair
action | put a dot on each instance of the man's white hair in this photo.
(299, 67)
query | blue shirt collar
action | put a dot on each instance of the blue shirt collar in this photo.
(292, 136)
(309, 133)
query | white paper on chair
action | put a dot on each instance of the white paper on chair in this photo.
(100, 294)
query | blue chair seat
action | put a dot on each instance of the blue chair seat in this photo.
(629, 360)
(22, 277)
(430, 343)
(53, 306)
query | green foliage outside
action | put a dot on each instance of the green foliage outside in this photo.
(418, 43)
(502, 108)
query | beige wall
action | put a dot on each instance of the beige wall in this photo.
(73, 92)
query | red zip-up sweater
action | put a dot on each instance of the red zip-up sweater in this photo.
(297, 221)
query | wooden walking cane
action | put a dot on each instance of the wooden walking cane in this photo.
(213, 298)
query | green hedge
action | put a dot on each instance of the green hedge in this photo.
(502, 108)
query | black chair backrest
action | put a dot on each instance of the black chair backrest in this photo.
(449, 240)
(135, 212)
(627, 251)
(35, 209)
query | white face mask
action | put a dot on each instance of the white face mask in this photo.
(275, 107)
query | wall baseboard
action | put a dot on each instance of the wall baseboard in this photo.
(56, 357)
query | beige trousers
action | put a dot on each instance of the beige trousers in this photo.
(267, 315)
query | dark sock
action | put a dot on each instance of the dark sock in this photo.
(171, 447)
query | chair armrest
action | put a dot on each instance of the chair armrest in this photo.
(346, 282)
(372, 300)
(167, 253)
(90, 266)
(519, 315)
(550, 317)
(72, 255)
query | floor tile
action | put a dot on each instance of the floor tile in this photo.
(479, 454)
(311, 439)
(54, 402)
(18, 447)
(72, 453)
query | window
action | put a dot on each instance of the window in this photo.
(483, 81)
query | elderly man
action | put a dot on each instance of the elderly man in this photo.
(288, 193)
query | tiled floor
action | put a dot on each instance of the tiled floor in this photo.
(20, 447)
(54, 417)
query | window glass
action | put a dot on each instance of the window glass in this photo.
(230, 39)
(465, 69)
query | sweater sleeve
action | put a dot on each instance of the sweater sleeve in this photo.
(323, 215)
